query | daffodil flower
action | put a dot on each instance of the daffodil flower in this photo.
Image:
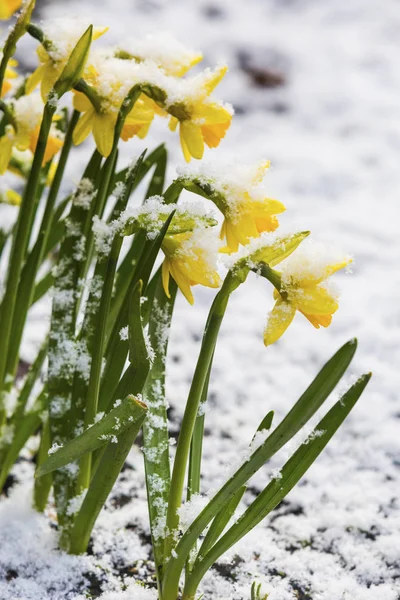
(304, 291)
(189, 262)
(55, 55)
(8, 8)
(102, 122)
(23, 133)
(201, 119)
(10, 74)
(237, 192)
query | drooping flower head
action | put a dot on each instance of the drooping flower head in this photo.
(190, 259)
(61, 36)
(201, 118)
(111, 79)
(8, 8)
(304, 288)
(237, 192)
(23, 132)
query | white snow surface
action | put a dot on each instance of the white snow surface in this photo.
(332, 133)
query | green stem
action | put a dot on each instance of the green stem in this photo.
(191, 411)
(20, 244)
(26, 287)
(97, 355)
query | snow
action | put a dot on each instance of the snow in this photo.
(332, 133)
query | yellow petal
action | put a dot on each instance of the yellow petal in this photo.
(54, 145)
(180, 70)
(231, 239)
(165, 276)
(173, 123)
(267, 207)
(6, 87)
(278, 321)
(182, 281)
(260, 172)
(191, 134)
(266, 224)
(34, 79)
(6, 144)
(314, 300)
(8, 8)
(212, 113)
(318, 320)
(13, 197)
(103, 132)
(215, 79)
(50, 76)
(213, 134)
(81, 102)
(83, 127)
(99, 31)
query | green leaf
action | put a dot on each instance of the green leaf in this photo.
(102, 483)
(277, 489)
(73, 70)
(303, 410)
(109, 427)
(220, 522)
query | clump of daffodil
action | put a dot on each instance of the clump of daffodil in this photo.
(202, 119)
(10, 74)
(111, 79)
(23, 131)
(170, 55)
(302, 286)
(238, 193)
(60, 38)
(8, 8)
(190, 259)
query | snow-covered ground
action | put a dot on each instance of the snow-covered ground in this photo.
(331, 128)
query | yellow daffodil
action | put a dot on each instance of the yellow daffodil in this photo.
(189, 263)
(10, 74)
(102, 123)
(24, 132)
(248, 213)
(201, 120)
(55, 56)
(305, 292)
(8, 8)
(237, 192)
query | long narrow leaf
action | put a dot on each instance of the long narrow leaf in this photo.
(290, 475)
(102, 432)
